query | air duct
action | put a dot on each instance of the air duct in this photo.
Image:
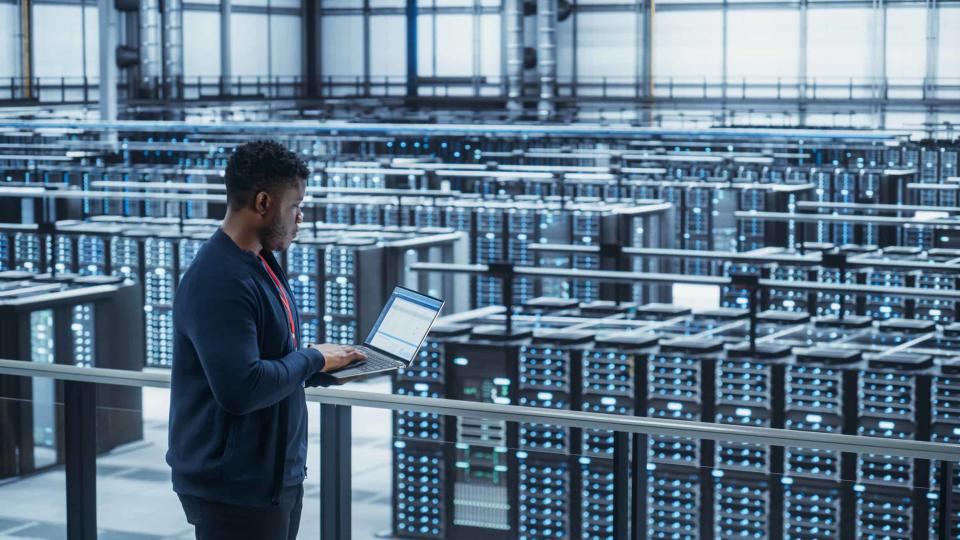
(150, 68)
(513, 12)
(547, 57)
(172, 47)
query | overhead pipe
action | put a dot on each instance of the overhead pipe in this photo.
(547, 57)
(513, 13)
(150, 67)
(172, 47)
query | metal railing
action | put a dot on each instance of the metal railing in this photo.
(732, 89)
(335, 440)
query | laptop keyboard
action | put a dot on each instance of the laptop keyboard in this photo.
(375, 361)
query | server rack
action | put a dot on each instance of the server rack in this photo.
(422, 495)
(820, 391)
(613, 383)
(484, 472)
(894, 392)
(944, 427)
(74, 320)
(680, 385)
(748, 494)
(550, 377)
(350, 308)
(887, 306)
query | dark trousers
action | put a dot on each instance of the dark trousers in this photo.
(219, 521)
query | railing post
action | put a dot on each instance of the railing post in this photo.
(621, 485)
(638, 497)
(80, 437)
(944, 521)
(335, 471)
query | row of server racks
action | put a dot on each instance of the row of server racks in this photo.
(68, 319)
(472, 478)
(339, 277)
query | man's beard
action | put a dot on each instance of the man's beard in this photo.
(274, 236)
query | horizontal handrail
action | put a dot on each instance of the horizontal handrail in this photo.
(516, 413)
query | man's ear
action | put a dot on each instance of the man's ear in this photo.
(261, 203)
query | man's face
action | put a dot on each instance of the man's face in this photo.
(283, 217)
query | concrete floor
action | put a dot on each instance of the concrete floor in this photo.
(135, 500)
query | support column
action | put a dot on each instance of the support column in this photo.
(173, 48)
(647, 62)
(513, 15)
(108, 64)
(149, 33)
(313, 67)
(724, 66)
(802, 89)
(933, 56)
(226, 66)
(25, 16)
(878, 43)
(412, 15)
(547, 57)
(366, 48)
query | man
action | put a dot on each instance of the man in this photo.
(238, 416)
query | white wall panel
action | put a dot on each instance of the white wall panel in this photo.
(58, 44)
(763, 44)
(906, 42)
(949, 52)
(248, 48)
(838, 43)
(286, 47)
(8, 40)
(688, 44)
(606, 45)
(491, 41)
(454, 47)
(92, 22)
(388, 46)
(342, 45)
(565, 50)
(201, 44)
(425, 58)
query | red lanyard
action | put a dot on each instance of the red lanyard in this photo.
(283, 299)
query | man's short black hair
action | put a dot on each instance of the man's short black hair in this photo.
(261, 166)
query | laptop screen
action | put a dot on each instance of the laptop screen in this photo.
(403, 323)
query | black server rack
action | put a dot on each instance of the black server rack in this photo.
(944, 428)
(549, 375)
(489, 239)
(523, 227)
(483, 472)
(585, 231)
(935, 309)
(87, 321)
(160, 254)
(349, 308)
(892, 306)
(304, 268)
(893, 403)
(748, 494)
(782, 299)
(680, 386)
(611, 382)
(422, 495)
(821, 394)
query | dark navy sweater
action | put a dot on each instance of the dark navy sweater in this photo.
(238, 416)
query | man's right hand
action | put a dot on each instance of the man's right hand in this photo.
(338, 356)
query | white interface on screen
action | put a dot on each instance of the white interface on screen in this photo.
(403, 328)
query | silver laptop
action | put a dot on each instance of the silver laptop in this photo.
(397, 336)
